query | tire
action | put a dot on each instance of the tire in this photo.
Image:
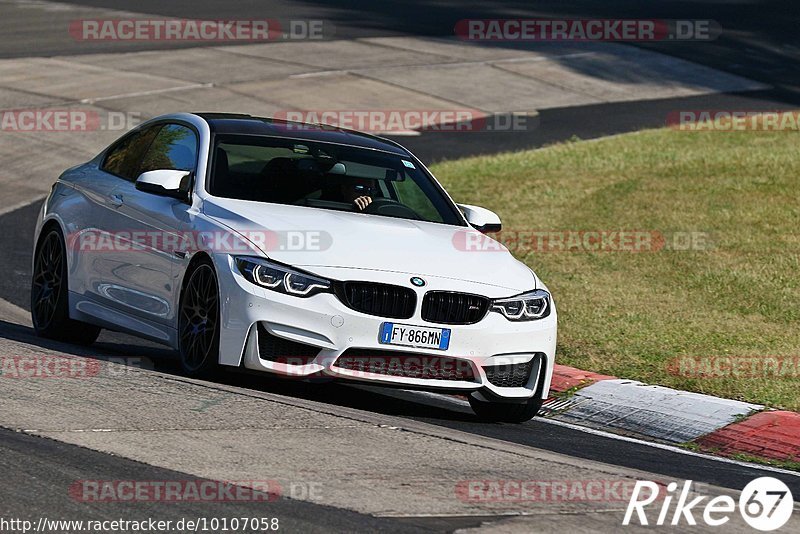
(50, 294)
(199, 321)
(505, 412)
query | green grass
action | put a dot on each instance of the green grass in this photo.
(629, 314)
(783, 464)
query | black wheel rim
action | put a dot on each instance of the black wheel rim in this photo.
(199, 318)
(47, 281)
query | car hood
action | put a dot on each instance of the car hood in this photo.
(308, 237)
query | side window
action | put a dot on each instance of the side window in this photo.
(125, 157)
(174, 148)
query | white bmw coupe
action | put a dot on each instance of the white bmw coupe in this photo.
(292, 249)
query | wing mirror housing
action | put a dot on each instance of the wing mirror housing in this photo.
(166, 182)
(483, 220)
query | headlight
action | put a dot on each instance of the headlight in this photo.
(280, 278)
(526, 307)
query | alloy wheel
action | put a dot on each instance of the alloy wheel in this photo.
(47, 279)
(199, 320)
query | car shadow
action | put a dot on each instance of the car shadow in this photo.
(123, 349)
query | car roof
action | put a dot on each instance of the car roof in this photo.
(233, 123)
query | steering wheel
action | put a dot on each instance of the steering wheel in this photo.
(390, 208)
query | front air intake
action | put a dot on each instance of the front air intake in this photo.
(280, 350)
(406, 365)
(511, 375)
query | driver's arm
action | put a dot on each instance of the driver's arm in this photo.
(362, 202)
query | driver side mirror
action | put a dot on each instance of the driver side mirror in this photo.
(483, 220)
(168, 183)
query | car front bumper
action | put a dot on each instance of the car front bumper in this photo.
(325, 323)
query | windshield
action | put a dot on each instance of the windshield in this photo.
(327, 176)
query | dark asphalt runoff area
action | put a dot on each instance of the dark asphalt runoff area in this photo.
(38, 472)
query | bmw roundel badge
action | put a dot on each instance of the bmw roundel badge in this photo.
(417, 281)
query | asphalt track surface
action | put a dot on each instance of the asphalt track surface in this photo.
(34, 466)
(760, 43)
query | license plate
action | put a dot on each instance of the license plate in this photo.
(408, 335)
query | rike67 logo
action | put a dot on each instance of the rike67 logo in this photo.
(765, 504)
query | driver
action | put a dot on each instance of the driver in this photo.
(358, 191)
